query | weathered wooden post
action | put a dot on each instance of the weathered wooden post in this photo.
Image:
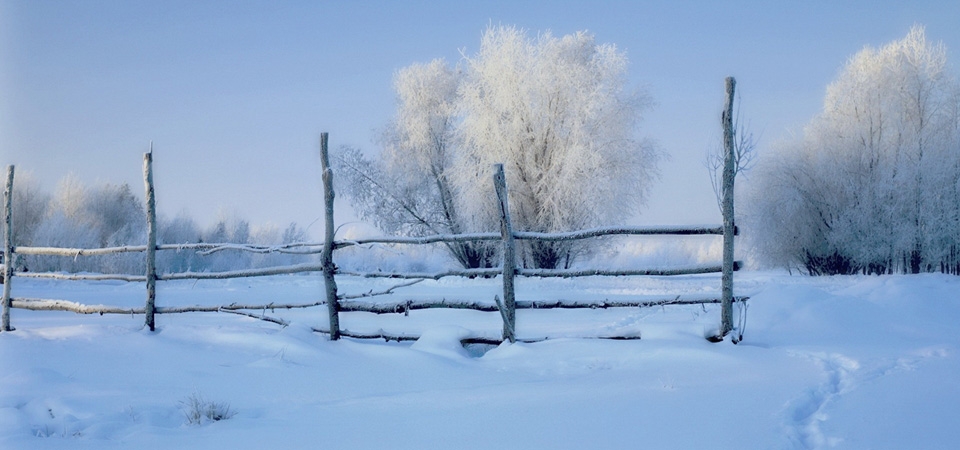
(151, 254)
(508, 309)
(729, 230)
(326, 257)
(8, 255)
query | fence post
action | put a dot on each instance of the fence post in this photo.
(326, 257)
(729, 173)
(8, 255)
(509, 306)
(151, 239)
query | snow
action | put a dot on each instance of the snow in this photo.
(828, 362)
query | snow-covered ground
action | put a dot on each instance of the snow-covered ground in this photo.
(832, 362)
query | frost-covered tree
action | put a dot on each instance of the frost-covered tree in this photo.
(80, 217)
(231, 229)
(65, 224)
(408, 189)
(111, 215)
(119, 218)
(872, 185)
(293, 234)
(29, 206)
(180, 230)
(270, 235)
(557, 114)
(117, 214)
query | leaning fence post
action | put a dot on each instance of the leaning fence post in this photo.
(326, 257)
(8, 255)
(729, 173)
(509, 306)
(151, 239)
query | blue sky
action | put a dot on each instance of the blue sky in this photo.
(234, 95)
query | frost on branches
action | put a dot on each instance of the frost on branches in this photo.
(409, 189)
(872, 186)
(555, 111)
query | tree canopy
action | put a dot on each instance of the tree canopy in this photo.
(556, 111)
(872, 185)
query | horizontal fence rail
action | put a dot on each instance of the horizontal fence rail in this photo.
(404, 307)
(82, 276)
(337, 303)
(247, 273)
(568, 273)
(612, 231)
(432, 239)
(76, 252)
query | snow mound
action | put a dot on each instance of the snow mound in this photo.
(443, 341)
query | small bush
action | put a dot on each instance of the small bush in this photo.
(198, 411)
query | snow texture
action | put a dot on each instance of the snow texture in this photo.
(827, 362)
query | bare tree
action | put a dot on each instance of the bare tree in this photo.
(744, 155)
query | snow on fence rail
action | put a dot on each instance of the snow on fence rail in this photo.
(337, 303)
(349, 303)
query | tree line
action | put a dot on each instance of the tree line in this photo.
(873, 183)
(111, 215)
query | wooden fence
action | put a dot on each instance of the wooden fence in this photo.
(337, 303)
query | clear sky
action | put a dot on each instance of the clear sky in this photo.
(234, 94)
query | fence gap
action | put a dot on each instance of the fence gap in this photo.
(729, 230)
(326, 257)
(8, 255)
(151, 252)
(509, 307)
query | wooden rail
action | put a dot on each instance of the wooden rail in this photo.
(337, 303)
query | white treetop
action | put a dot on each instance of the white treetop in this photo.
(556, 113)
(873, 184)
